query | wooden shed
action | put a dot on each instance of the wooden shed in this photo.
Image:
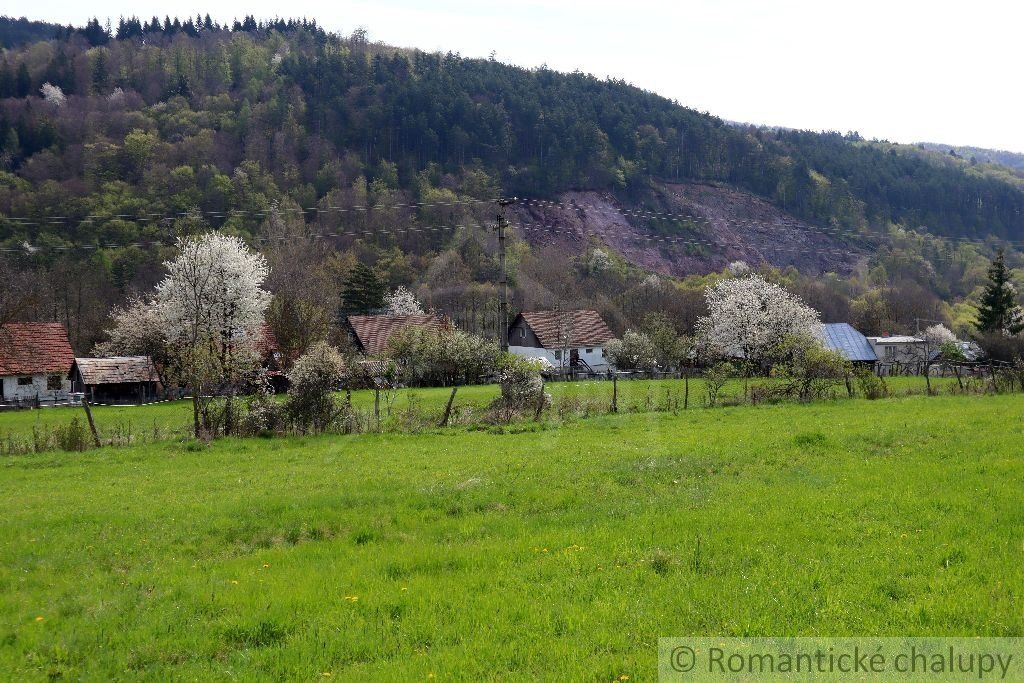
(120, 379)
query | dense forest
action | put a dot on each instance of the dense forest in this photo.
(338, 155)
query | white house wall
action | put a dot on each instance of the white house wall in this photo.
(594, 358)
(14, 391)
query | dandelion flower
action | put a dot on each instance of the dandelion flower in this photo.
(234, 582)
(39, 618)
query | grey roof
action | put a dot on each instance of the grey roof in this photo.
(117, 370)
(842, 337)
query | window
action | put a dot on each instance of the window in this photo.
(24, 381)
(54, 383)
(522, 333)
(590, 350)
(890, 351)
(604, 353)
(558, 355)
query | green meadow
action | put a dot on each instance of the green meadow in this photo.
(173, 420)
(557, 551)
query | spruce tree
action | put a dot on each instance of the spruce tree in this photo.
(998, 302)
(364, 292)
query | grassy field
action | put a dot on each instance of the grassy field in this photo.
(520, 552)
(162, 421)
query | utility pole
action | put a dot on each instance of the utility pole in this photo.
(503, 276)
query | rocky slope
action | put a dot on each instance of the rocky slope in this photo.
(704, 227)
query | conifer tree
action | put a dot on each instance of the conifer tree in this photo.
(998, 311)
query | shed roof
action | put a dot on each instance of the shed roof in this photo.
(117, 370)
(896, 339)
(564, 329)
(842, 337)
(373, 331)
(34, 348)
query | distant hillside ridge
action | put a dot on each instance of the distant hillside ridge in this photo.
(162, 116)
(21, 31)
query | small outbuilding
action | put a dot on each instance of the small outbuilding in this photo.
(118, 380)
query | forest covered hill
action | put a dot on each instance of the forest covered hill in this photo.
(339, 154)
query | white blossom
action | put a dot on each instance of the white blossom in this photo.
(635, 351)
(213, 292)
(53, 94)
(116, 96)
(938, 334)
(403, 302)
(738, 268)
(748, 317)
(137, 331)
(598, 261)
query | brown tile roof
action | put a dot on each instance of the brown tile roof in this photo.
(564, 329)
(34, 348)
(117, 370)
(373, 331)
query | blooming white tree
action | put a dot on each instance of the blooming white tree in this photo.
(937, 335)
(53, 94)
(137, 330)
(635, 351)
(403, 302)
(738, 269)
(749, 317)
(211, 307)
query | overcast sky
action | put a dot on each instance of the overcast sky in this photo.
(902, 70)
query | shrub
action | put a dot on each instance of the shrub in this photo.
(73, 436)
(715, 378)
(812, 370)
(521, 385)
(263, 415)
(871, 385)
(314, 378)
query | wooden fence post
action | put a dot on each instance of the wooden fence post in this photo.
(448, 408)
(92, 424)
(615, 392)
(376, 405)
(686, 389)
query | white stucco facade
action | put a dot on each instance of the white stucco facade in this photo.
(594, 356)
(29, 387)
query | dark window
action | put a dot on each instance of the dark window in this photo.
(590, 350)
(522, 333)
(24, 381)
(54, 383)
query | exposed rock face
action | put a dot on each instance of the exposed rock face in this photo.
(701, 228)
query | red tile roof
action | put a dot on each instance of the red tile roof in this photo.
(373, 331)
(564, 329)
(34, 348)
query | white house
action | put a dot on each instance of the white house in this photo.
(35, 360)
(566, 339)
(899, 349)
